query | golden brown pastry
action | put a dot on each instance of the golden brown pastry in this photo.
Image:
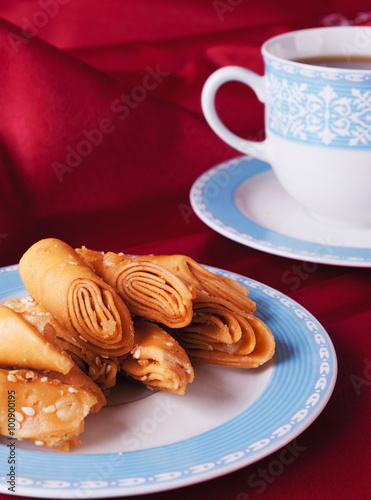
(47, 408)
(202, 280)
(21, 344)
(149, 290)
(157, 360)
(221, 337)
(61, 281)
(100, 368)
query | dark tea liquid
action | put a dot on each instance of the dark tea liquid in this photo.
(338, 61)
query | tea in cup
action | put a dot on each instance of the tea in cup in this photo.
(317, 95)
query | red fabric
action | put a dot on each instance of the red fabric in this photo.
(102, 136)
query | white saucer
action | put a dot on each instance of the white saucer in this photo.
(243, 200)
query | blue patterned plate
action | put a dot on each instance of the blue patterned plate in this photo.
(227, 419)
(243, 200)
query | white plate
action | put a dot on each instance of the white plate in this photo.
(243, 200)
(228, 418)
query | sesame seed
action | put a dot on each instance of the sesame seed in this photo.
(82, 338)
(49, 409)
(136, 354)
(39, 443)
(108, 369)
(18, 416)
(44, 379)
(72, 389)
(11, 378)
(28, 411)
(17, 425)
(169, 343)
(30, 375)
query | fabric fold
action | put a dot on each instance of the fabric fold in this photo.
(61, 281)
(148, 289)
(157, 360)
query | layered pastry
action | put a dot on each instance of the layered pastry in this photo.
(220, 336)
(157, 360)
(92, 315)
(203, 281)
(50, 395)
(148, 289)
(102, 368)
(63, 283)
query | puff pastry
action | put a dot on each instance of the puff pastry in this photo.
(149, 290)
(157, 360)
(61, 281)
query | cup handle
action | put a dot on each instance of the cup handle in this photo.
(257, 149)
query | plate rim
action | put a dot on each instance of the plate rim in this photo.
(212, 473)
(283, 244)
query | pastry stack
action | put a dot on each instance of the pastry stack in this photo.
(91, 317)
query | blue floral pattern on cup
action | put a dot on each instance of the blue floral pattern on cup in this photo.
(312, 106)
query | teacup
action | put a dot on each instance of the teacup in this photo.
(317, 119)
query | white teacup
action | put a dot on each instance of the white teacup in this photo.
(317, 118)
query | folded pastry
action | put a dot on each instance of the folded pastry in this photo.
(149, 290)
(202, 280)
(100, 368)
(219, 336)
(62, 282)
(47, 408)
(157, 360)
(21, 344)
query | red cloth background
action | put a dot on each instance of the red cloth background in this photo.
(127, 76)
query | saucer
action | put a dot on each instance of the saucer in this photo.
(228, 419)
(243, 200)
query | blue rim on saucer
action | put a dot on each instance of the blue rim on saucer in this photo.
(212, 198)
